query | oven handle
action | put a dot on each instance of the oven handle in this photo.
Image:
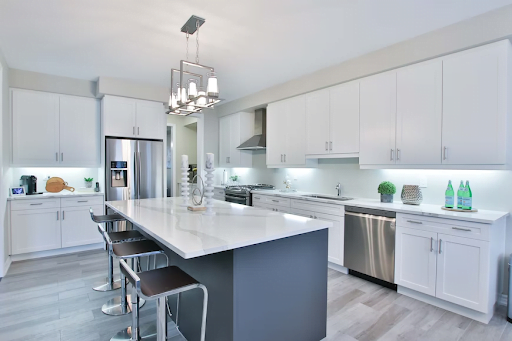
(235, 198)
(370, 216)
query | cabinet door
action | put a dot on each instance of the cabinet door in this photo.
(419, 113)
(234, 140)
(294, 129)
(150, 120)
(35, 126)
(336, 237)
(378, 118)
(276, 130)
(79, 131)
(463, 271)
(224, 141)
(344, 118)
(415, 260)
(119, 116)
(475, 106)
(317, 122)
(77, 226)
(35, 230)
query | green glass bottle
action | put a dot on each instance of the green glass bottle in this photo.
(467, 200)
(449, 196)
(459, 195)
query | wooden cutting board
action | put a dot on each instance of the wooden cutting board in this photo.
(56, 185)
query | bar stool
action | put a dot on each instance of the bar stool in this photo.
(134, 250)
(116, 237)
(156, 285)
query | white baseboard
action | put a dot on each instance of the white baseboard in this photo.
(503, 299)
(338, 268)
(454, 308)
(7, 265)
(56, 252)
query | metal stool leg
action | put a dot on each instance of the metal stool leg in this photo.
(110, 284)
(161, 319)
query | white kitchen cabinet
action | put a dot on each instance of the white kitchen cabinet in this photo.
(419, 113)
(270, 207)
(317, 122)
(35, 123)
(129, 117)
(286, 128)
(79, 131)
(462, 270)
(35, 230)
(378, 119)
(150, 120)
(55, 130)
(475, 105)
(78, 228)
(233, 131)
(415, 265)
(219, 194)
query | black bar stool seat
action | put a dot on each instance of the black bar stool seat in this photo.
(107, 218)
(158, 281)
(133, 249)
(124, 236)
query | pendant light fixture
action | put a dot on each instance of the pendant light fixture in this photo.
(189, 95)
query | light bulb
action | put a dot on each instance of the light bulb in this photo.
(192, 89)
(201, 100)
(184, 95)
(213, 87)
(173, 101)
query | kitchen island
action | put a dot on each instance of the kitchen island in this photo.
(266, 272)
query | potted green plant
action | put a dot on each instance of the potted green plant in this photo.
(386, 190)
(88, 182)
(234, 179)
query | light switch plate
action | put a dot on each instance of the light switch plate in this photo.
(423, 182)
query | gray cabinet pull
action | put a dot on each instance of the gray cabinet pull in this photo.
(257, 198)
(461, 229)
(391, 155)
(284, 157)
(61, 156)
(414, 222)
(330, 145)
(444, 153)
(275, 200)
(326, 146)
(440, 241)
(431, 244)
(36, 204)
(62, 215)
(83, 200)
(57, 215)
(397, 154)
(281, 157)
(56, 156)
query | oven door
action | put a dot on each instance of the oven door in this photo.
(236, 199)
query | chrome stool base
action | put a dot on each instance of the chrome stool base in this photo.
(106, 286)
(146, 333)
(114, 307)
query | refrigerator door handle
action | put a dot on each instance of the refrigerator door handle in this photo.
(139, 177)
(135, 175)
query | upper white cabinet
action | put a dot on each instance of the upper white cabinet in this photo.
(332, 121)
(378, 119)
(128, 117)
(233, 131)
(286, 128)
(55, 130)
(475, 105)
(419, 113)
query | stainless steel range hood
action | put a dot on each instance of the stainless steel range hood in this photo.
(259, 140)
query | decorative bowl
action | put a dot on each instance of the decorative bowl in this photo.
(411, 195)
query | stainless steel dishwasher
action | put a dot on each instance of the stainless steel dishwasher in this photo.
(370, 244)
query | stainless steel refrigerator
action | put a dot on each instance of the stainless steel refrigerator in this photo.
(134, 169)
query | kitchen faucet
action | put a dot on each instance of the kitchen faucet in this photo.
(338, 187)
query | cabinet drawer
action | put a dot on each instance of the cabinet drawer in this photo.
(218, 192)
(81, 201)
(446, 226)
(270, 200)
(28, 204)
(337, 210)
(273, 208)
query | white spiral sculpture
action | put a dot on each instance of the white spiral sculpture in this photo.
(208, 190)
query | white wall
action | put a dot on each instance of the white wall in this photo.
(125, 88)
(5, 152)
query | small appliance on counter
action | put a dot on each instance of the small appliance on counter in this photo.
(30, 184)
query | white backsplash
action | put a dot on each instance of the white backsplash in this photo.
(73, 176)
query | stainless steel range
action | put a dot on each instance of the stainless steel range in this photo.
(242, 194)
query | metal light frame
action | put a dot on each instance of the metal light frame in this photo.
(183, 106)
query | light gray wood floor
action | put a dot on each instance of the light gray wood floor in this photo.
(51, 299)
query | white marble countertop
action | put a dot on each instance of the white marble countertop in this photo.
(63, 194)
(482, 216)
(192, 234)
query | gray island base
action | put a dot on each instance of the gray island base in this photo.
(266, 272)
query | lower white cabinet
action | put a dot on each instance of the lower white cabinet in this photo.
(65, 222)
(77, 228)
(279, 209)
(219, 194)
(35, 230)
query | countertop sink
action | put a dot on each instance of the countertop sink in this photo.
(318, 196)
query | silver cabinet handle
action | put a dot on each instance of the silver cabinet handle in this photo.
(82, 200)
(275, 200)
(414, 222)
(431, 244)
(391, 155)
(57, 156)
(138, 130)
(284, 157)
(61, 156)
(36, 204)
(326, 146)
(461, 229)
(256, 198)
(281, 157)
(330, 145)
(57, 215)
(62, 215)
(440, 241)
(444, 153)
(133, 130)
(229, 159)
(397, 154)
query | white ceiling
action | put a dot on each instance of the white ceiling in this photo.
(253, 44)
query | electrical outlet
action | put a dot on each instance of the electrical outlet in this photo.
(423, 182)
